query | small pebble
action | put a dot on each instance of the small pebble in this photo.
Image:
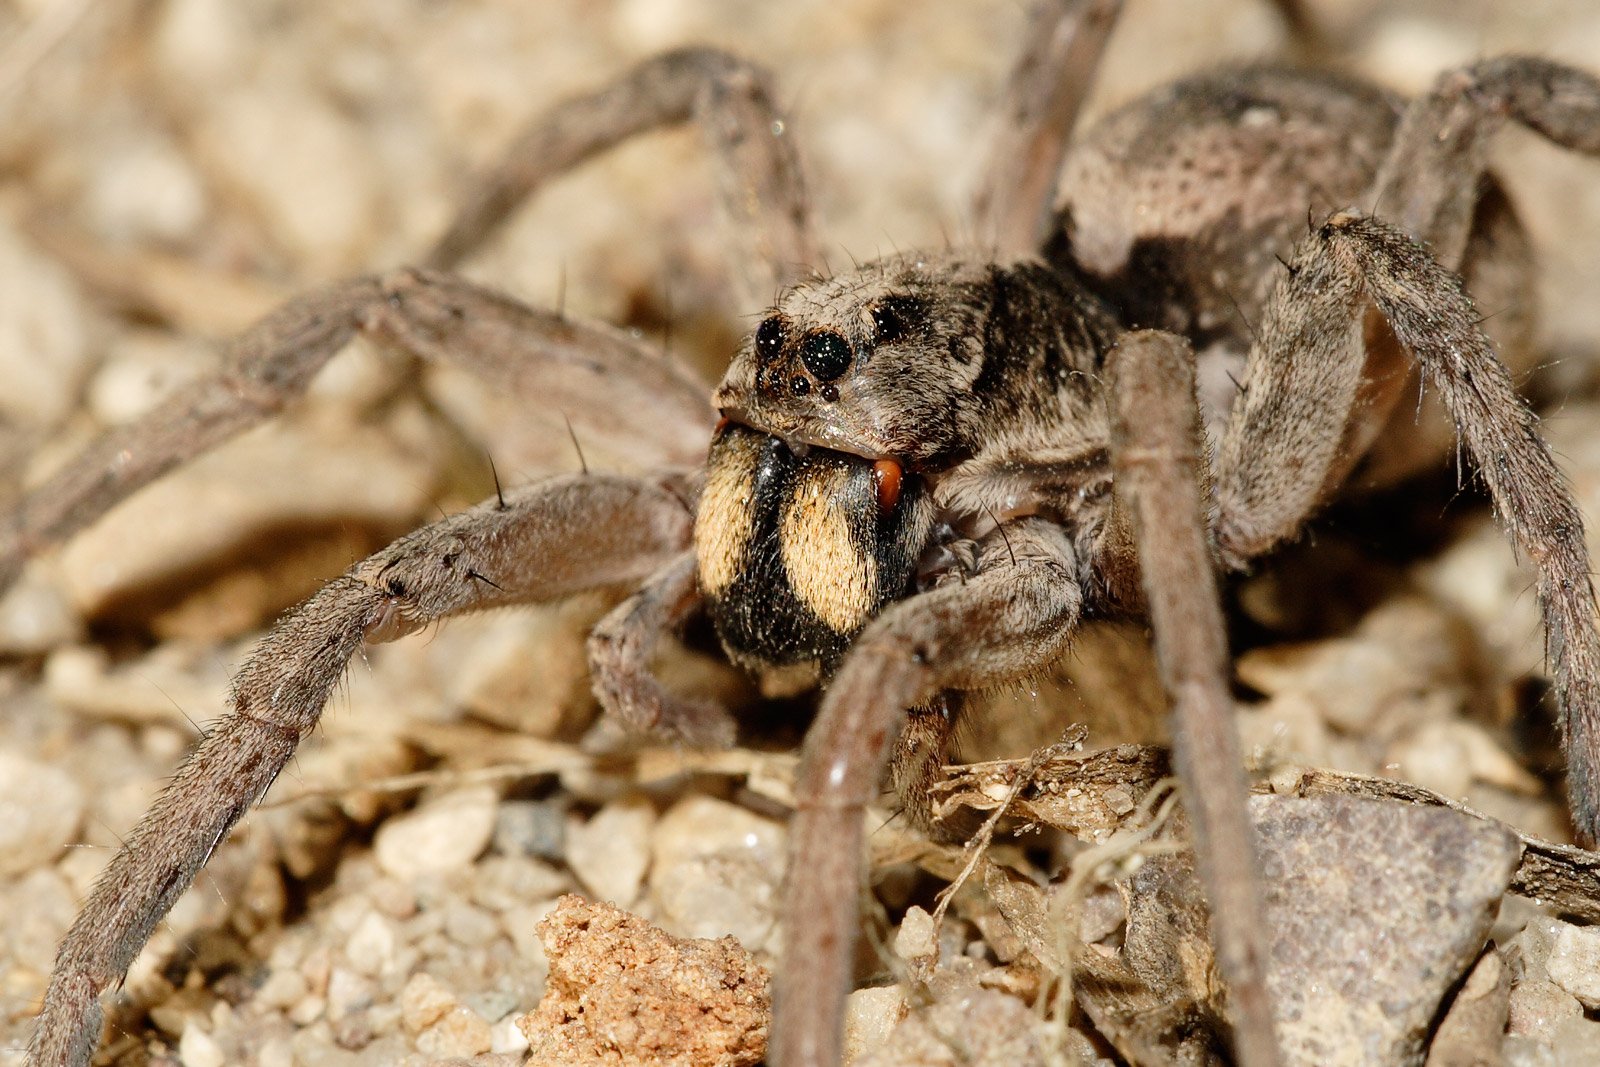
(144, 189)
(916, 940)
(509, 881)
(424, 1002)
(996, 1030)
(44, 339)
(506, 1036)
(370, 947)
(1539, 1010)
(36, 616)
(1574, 963)
(716, 870)
(198, 1049)
(41, 808)
(308, 1011)
(261, 137)
(283, 989)
(610, 852)
(348, 992)
(468, 926)
(532, 827)
(441, 834)
(869, 1017)
(277, 1052)
(462, 1032)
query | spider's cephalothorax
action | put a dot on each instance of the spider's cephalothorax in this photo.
(853, 416)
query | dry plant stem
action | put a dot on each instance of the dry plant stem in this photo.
(547, 542)
(621, 652)
(758, 169)
(1065, 40)
(1156, 459)
(979, 842)
(1085, 871)
(1017, 610)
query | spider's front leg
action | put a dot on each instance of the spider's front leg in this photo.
(1015, 613)
(581, 370)
(590, 371)
(543, 543)
(1159, 519)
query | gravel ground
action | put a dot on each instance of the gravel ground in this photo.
(170, 170)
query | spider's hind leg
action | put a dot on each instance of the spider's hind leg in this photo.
(1045, 91)
(1285, 436)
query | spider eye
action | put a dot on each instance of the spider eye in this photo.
(769, 338)
(895, 317)
(826, 355)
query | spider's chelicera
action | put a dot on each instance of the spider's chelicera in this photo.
(928, 470)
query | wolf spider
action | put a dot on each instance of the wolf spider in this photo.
(926, 471)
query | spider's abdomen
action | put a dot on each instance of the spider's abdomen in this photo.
(798, 550)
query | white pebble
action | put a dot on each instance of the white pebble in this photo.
(469, 926)
(307, 1011)
(36, 615)
(442, 834)
(197, 1048)
(716, 869)
(506, 1036)
(143, 190)
(283, 989)
(505, 882)
(610, 852)
(869, 1016)
(461, 1033)
(44, 345)
(370, 947)
(1574, 963)
(347, 992)
(424, 1002)
(298, 162)
(916, 939)
(40, 810)
(142, 370)
(277, 1052)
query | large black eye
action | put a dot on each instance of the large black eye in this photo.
(896, 317)
(769, 338)
(826, 355)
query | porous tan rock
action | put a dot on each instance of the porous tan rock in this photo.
(622, 991)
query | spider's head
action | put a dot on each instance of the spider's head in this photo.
(881, 362)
